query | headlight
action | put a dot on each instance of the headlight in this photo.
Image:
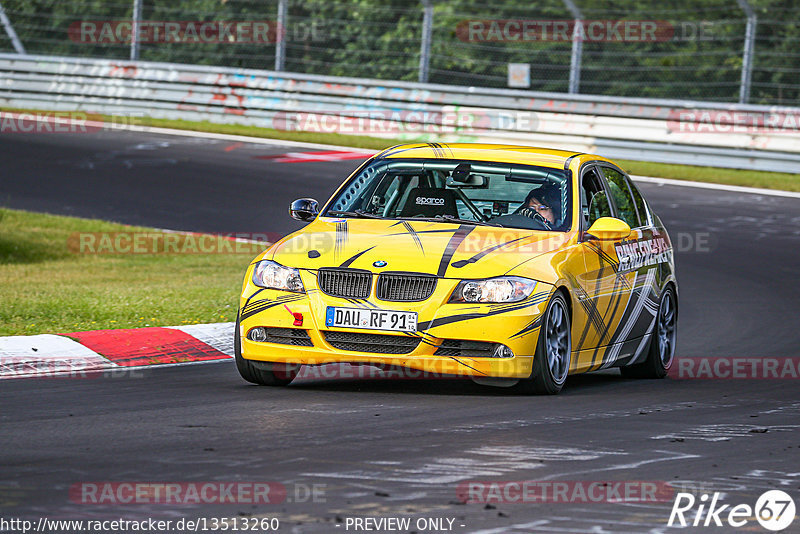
(275, 276)
(501, 289)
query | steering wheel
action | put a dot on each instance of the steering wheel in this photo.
(535, 215)
(538, 217)
(516, 220)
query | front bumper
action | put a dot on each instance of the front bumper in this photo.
(514, 325)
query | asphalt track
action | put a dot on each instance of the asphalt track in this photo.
(400, 448)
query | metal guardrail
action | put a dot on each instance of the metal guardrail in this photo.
(639, 129)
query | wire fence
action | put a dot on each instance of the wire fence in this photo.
(713, 50)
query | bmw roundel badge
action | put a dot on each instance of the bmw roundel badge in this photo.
(379, 263)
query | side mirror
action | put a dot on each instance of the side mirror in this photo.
(609, 229)
(304, 209)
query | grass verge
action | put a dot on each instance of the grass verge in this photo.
(51, 282)
(763, 179)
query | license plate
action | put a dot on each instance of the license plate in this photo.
(394, 321)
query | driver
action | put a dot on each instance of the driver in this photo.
(539, 205)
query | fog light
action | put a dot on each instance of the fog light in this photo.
(258, 334)
(501, 351)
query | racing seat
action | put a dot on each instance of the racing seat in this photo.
(430, 202)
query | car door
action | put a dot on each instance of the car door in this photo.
(606, 291)
(639, 256)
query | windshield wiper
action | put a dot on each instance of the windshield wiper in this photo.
(450, 218)
(468, 221)
(355, 213)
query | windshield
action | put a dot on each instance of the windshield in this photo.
(481, 193)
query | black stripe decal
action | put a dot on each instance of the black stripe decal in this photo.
(353, 258)
(261, 305)
(386, 151)
(603, 255)
(397, 150)
(452, 246)
(462, 263)
(414, 235)
(251, 297)
(590, 306)
(284, 298)
(361, 303)
(616, 300)
(465, 365)
(439, 321)
(341, 237)
(541, 297)
(591, 310)
(450, 231)
(533, 325)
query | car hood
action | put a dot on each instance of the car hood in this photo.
(444, 249)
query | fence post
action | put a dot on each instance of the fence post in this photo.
(747, 54)
(135, 22)
(425, 45)
(280, 35)
(10, 31)
(577, 47)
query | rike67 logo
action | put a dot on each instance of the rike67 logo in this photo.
(774, 510)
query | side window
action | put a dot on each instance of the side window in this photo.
(594, 203)
(641, 206)
(623, 199)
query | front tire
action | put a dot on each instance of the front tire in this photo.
(279, 375)
(662, 343)
(553, 350)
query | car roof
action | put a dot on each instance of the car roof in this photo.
(526, 155)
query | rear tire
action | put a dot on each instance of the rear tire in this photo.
(661, 352)
(279, 375)
(553, 351)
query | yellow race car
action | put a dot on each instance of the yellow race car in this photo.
(508, 264)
